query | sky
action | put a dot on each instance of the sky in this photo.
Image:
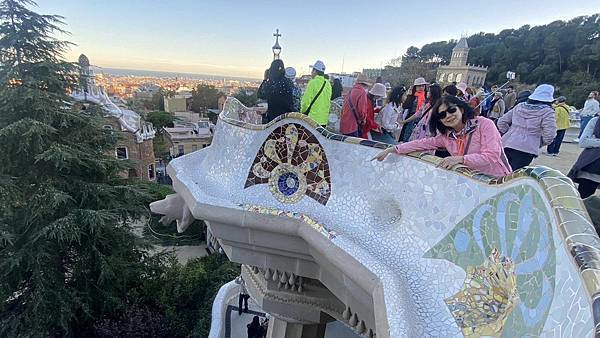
(234, 38)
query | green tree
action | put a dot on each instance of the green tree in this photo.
(248, 97)
(204, 97)
(557, 53)
(182, 298)
(160, 119)
(67, 255)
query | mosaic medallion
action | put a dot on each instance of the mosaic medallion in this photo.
(516, 228)
(292, 162)
(487, 297)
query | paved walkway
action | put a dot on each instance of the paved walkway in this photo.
(235, 324)
(183, 252)
(569, 152)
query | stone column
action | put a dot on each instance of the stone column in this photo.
(279, 328)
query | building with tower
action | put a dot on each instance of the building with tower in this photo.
(136, 143)
(459, 70)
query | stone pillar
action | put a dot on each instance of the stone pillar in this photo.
(279, 328)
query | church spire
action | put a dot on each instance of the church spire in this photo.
(460, 52)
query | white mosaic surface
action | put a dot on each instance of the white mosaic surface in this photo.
(386, 215)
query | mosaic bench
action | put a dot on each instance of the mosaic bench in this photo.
(440, 252)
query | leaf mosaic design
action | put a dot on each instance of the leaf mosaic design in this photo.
(517, 223)
(292, 162)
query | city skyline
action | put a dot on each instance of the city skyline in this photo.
(234, 38)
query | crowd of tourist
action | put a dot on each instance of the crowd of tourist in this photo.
(495, 130)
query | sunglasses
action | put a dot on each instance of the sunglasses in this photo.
(450, 110)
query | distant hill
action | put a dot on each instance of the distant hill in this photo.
(562, 53)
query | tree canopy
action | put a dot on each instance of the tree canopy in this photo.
(247, 96)
(70, 264)
(67, 255)
(204, 97)
(562, 53)
(160, 119)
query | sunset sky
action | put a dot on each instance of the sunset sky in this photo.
(234, 38)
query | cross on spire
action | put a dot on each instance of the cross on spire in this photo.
(276, 47)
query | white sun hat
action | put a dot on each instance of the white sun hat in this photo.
(420, 81)
(378, 89)
(543, 93)
(319, 65)
(290, 73)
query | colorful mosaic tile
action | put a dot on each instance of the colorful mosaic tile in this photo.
(293, 163)
(513, 224)
(487, 297)
(387, 231)
(302, 217)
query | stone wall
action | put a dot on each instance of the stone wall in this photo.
(141, 153)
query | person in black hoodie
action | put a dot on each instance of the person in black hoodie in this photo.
(278, 91)
(255, 330)
(336, 89)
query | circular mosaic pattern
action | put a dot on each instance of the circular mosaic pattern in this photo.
(293, 163)
(287, 184)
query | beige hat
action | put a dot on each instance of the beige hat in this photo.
(462, 87)
(420, 81)
(498, 94)
(378, 90)
(363, 79)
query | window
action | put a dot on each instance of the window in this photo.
(180, 150)
(194, 147)
(121, 153)
(458, 77)
(151, 174)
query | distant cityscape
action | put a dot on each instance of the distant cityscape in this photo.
(125, 82)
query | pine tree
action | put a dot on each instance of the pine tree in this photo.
(67, 255)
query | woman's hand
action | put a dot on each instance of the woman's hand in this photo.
(382, 155)
(451, 161)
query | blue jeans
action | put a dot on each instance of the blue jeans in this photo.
(584, 121)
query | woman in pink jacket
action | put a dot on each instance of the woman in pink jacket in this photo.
(472, 141)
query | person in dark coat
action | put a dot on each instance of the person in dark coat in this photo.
(336, 89)
(586, 170)
(255, 330)
(522, 97)
(278, 91)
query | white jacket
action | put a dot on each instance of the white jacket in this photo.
(388, 117)
(590, 108)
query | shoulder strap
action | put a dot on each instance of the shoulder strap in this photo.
(469, 138)
(352, 107)
(316, 96)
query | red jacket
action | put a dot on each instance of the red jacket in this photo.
(358, 97)
(370, 123)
